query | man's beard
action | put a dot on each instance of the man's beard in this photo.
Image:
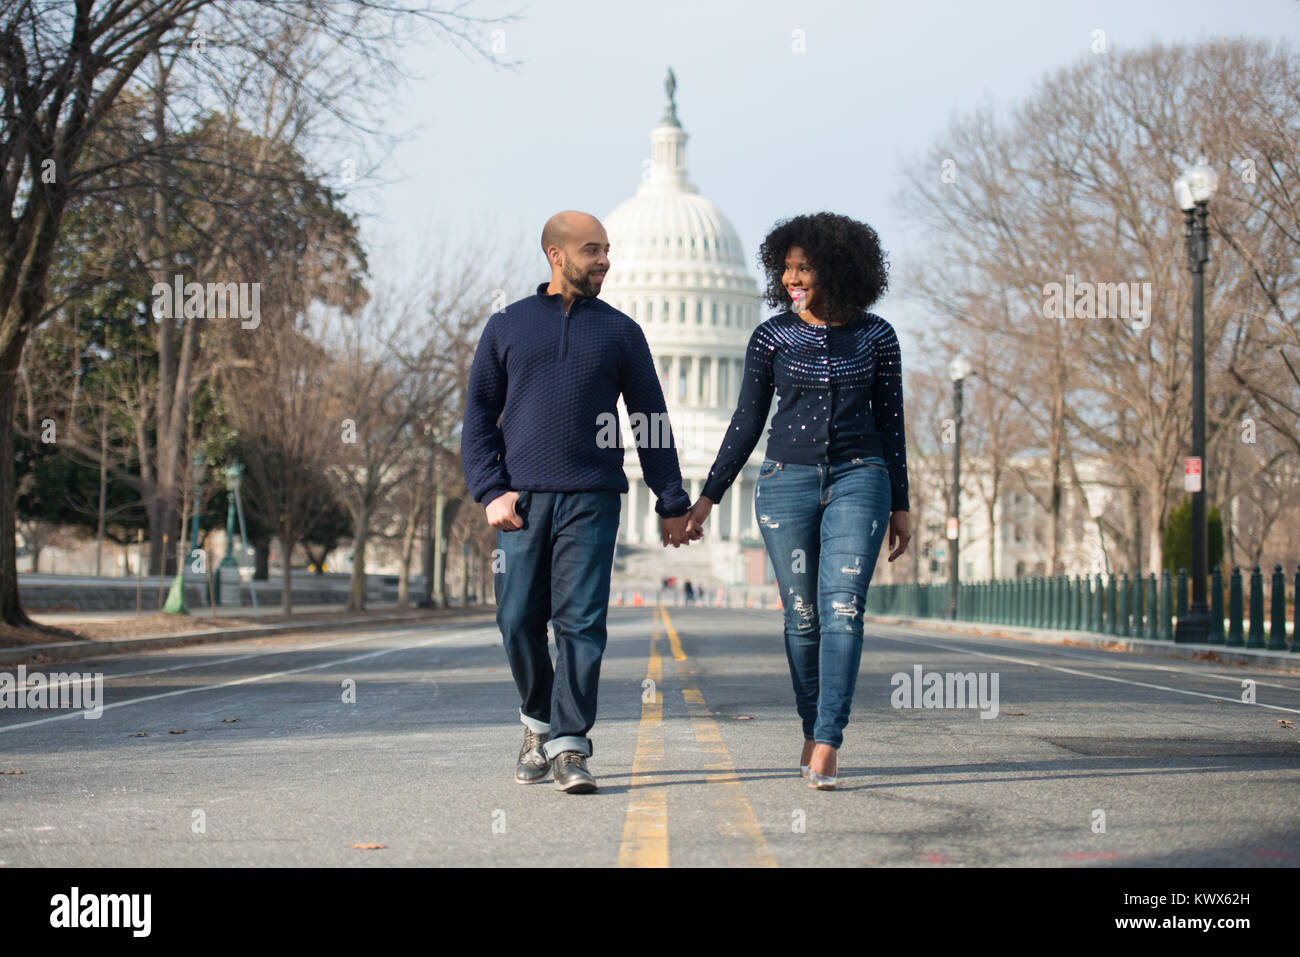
(580, 281)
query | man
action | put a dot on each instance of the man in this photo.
(552, 367)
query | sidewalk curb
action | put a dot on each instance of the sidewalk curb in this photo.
(95, 648)
(1258, 658)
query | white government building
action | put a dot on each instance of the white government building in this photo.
(678, 269)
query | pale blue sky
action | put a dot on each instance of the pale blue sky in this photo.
(492, 153)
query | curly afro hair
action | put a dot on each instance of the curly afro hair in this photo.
(852, 271)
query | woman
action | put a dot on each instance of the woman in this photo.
(835, 473)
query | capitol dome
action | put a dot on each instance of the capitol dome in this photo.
(678, 268)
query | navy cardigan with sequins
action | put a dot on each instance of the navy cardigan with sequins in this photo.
(841, 397)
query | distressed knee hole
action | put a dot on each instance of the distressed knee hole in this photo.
(845, 609)
(766, 522)
(854, 569)
(806, 611)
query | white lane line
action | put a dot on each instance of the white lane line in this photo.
(331, 643)
(1056, 651)
(262, 677)
(1086, 674)
(478, 633)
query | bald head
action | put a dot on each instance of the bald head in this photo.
(562, 228)
(577, 248)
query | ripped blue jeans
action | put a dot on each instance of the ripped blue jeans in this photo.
(823, 526)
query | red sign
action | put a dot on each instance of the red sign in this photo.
(952, 529)
(1192, 474)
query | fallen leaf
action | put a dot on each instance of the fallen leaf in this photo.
(14, 771)
(227, 720)
(139, 734)
(368, 847)
(1016, 714)
(176, 732)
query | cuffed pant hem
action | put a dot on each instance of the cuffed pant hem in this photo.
(571, 743)
(541, 727)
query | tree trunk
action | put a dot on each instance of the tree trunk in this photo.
(11, 611)
(357, 582)
(287, 536)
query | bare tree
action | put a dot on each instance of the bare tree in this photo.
(64, 66)
(1075, 189)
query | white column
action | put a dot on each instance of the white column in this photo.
(674, 371)
(650, 518)
(735, 510)
(633, 506)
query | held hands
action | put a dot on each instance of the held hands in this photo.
(501, 512)
(696, 517)
(676, 531)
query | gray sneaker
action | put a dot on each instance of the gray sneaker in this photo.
(571, 773)
(533, 764)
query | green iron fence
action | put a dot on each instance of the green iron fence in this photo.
(1124, 607)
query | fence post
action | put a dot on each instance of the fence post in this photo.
(1166, 606)
(1216, 607)
(1112, 606)
(1152, 612)
(1124, 597)
(1235, 637)
(1256, 637)
(1295, 613)
(1182, 593)
(1277, 629)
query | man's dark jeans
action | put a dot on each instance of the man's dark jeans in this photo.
(557, 568)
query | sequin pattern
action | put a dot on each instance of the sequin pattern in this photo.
(840, 396)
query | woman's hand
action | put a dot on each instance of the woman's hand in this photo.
(696, 517)
(900, 530)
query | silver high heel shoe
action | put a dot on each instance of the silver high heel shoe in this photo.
(822, 782)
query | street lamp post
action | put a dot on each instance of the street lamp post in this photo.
(198, 467)
(1193, 191)
(958, 369)
(228, 571)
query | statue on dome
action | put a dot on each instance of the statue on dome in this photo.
(670, 108)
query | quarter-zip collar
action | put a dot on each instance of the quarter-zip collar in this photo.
(556, 301)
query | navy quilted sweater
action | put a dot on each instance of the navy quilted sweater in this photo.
(841, 397)
(554, 381)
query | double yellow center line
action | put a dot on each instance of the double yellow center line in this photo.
(645, 830)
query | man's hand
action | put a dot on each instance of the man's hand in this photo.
(672, 531)
(900, 530)
(696, 517)
(501, 512)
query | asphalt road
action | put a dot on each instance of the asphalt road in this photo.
(1093, 758)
